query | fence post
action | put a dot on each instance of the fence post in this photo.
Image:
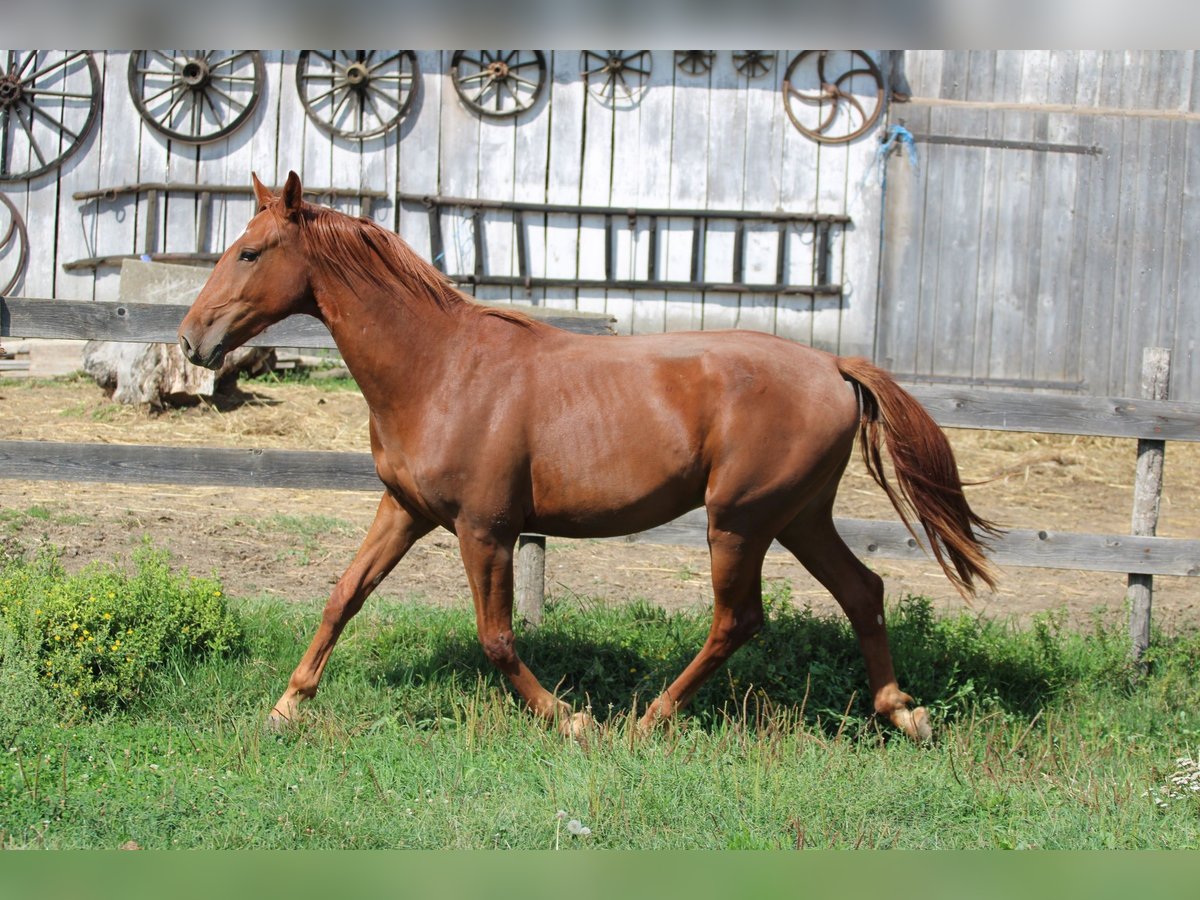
(531, 578)
(1147, 494)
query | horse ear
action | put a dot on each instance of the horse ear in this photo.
(293, 194)
(261, 192)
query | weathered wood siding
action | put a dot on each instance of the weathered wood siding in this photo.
(718, 140)
(1050, 267)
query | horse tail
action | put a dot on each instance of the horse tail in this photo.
(925, 471)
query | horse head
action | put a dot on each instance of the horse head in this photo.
(261, 278)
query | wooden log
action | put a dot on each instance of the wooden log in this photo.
(531, 579)
(1147, 495)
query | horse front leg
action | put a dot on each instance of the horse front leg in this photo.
(488, 561)
(390, 536)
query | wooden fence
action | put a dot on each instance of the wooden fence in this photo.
(1150, 421)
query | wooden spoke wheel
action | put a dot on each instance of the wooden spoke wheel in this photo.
(195, 96)
(498, 82)
(48, 104)
(833, 96)
(607, 72)
(694, 62)
(14, 246)
(753, 63)
(357, 93)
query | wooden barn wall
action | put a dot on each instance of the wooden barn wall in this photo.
(719, 141)
(1045, 267)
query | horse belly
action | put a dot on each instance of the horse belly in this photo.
(618, 477)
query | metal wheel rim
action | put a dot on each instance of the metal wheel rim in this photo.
(834, 96)
(21, 112)
(355, 80)
(16, 231)
(480, 73)
(193, 83)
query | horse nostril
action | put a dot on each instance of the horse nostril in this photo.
(186, 346)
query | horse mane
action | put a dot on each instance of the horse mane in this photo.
(360, 251)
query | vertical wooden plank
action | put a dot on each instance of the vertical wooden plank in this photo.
(1054, 339)
(941, 161)
(981, 75)
(1173, 235)
(689, 189)
(1009, 305)
(990, 211)
(1186, 357)
(623, 192)
(1100, 270)
(81, 172)
(954, 312)
(595, 189)
(116, 220)
(1126, 240)
(1148, 203)
(900, 268)
(496, 167)
(726, 175)
(417, 156)
(458, 165)
(530, 162)
(798, 192)
(763, 152)
(954, 75)
(653, 184)
(1076, 302)
(565, 148)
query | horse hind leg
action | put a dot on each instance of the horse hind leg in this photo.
(859, 591)
(737, 616)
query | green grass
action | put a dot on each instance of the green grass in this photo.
(305, 533)
(15, 521)
(307, 376)
(1045, 739)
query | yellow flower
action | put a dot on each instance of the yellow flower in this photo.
(107, 616)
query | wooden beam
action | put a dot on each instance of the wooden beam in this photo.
(954, 407)
(311, 470)
(157, 323)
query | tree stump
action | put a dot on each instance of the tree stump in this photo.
(158, 374)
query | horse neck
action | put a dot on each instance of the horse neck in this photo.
(388, 339)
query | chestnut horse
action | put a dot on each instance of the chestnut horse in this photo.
(489, 423)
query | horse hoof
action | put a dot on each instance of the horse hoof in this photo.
(577, 726)
(276, 722)
(915, 723)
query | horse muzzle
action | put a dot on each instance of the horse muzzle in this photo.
(211, 359)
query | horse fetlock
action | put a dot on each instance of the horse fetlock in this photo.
(500, 649)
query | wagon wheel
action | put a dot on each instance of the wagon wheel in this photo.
(48, 103)
(14, 244)
(356, 93)
(498, 82)
(753, 63)
(824, 107)
(604, 70)
(694, 62)
(195, 96)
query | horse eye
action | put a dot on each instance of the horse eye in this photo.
(249, 255)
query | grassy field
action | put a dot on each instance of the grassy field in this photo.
(1045, 739)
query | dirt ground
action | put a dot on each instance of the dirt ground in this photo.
(294, 544)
